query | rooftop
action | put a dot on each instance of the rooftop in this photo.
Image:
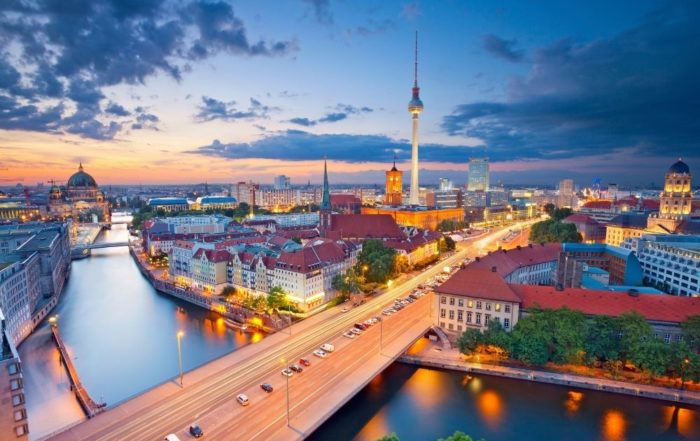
(507, 261)
(478, 283)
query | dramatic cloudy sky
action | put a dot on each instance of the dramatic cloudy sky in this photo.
(148, 91)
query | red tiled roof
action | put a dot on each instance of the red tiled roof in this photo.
(308, 233)
(214, 255)
(366, 226)
(655, 307)
(602, 205)
(650, 204)
(237, 241)
(344, 199)
(479, 283)
(312, 257)
(629, 200)
(507, 261)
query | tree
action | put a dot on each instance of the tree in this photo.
(391, 437)
(347, 283)
(554, 231)
(378, 259)
(469, 341)
(635, 330)
(652, 355)
(450, 244)
(495, 335)
(568, 335)
(549, 208)
(561, 213)
(602, 344)
(691, 332)
(277, 298)
(532, 339)
(457, 436)
(401, 264)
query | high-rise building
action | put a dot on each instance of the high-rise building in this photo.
(446, 184)
(394, 186)
(325, 209)
(415, 107)
(478, 174)
(566, 193)
(282, 182)
(676, 198)
(13, 414)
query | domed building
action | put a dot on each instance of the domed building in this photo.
(676, 199)
(79, 198)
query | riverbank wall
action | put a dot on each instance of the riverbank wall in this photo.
(575, 381)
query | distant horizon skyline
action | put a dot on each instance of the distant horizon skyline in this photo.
(224, 91)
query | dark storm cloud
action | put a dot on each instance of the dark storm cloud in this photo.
(341, 112)
(638, 89)
(502, 48)
(67, 51)
(298, 145)
(116, 109)
(212, 109)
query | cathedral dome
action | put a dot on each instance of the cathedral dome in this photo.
(679, 167)
(81, 179)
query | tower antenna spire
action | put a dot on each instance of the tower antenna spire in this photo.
(415, 64)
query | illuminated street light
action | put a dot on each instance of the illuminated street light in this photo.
(180, 334)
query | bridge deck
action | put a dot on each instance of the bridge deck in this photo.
(90, 406)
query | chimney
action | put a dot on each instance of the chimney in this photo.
(477, 258)
(518, 247)
(529, 245)
(494, 269)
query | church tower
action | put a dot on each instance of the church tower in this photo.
(675, 200)
(415, 107)
(394, 186)
(325, 208)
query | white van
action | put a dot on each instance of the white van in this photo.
(172, 437)
(242, 399)
(327, 347)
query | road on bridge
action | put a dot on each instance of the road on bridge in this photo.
(208, 395)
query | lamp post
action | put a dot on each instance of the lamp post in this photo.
(180, 334)
(686, 361)
(284, 364)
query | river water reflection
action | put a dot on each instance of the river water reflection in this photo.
(121, 334)
(425, 404)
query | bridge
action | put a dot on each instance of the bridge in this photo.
(90, 406)
(94, 246)
(298, 405)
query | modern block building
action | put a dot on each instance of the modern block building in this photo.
(13, 412)
(479, 176)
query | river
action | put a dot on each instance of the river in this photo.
(121, 334)
(426, 404)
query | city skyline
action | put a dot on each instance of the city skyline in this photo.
(209, 91)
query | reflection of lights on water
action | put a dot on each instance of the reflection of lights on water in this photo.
(573, 402)
(426, 387)
(490, 407)
(685, 421)
(613, 425)
(475, 385)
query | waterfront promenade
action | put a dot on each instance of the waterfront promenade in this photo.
(451, 359)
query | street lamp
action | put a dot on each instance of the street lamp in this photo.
(686, 362)
(284, 364)
(180, 334)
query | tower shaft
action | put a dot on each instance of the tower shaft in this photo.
(413, 195)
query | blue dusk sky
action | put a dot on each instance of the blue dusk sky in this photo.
(158, 91)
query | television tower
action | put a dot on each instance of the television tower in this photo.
(415, 107)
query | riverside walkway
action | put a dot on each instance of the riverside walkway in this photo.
(90, 406)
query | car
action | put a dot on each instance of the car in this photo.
(267, 387)
(327, 347)
(345, 309)
(196, 431)
(377, 319)
(242, 399)
(368, 322)
(355, 331)
(296, 368)
(387, 312)
(319, 353)
(349, 334)
(287, 372)
(305, 362)
(360, 326)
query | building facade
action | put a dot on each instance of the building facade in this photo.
(80, 198)
(479, 175)
(393, 193)
(13, 413)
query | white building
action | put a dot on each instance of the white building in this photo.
(214, 223)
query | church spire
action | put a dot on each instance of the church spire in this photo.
(326, 198)
(80, 167)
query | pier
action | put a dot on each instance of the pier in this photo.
(90, 406)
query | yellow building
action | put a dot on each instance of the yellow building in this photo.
(394, 186)
(676, 199)
(420, 217)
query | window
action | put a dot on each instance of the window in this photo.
(507, 308)
(452, 301)
(452, 315)
(470, 304)
(469, 316)
(488, 306)
(498, 306)
(506, 323)
(21, 430)
(15, 384)
(17, 399)
(460, 303)
(20, 414)
(442, 312)
(478, 318)
(667, 338)
(459, 328)
(478, 305)
(487, 317)
(442, 324)
(443, 300)
(460, 316)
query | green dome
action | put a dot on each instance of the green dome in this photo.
(81, 179)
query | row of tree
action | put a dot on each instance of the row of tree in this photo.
(447, 225)
(241, 211)
(564, 336)
(275, 300)
(553, 229)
